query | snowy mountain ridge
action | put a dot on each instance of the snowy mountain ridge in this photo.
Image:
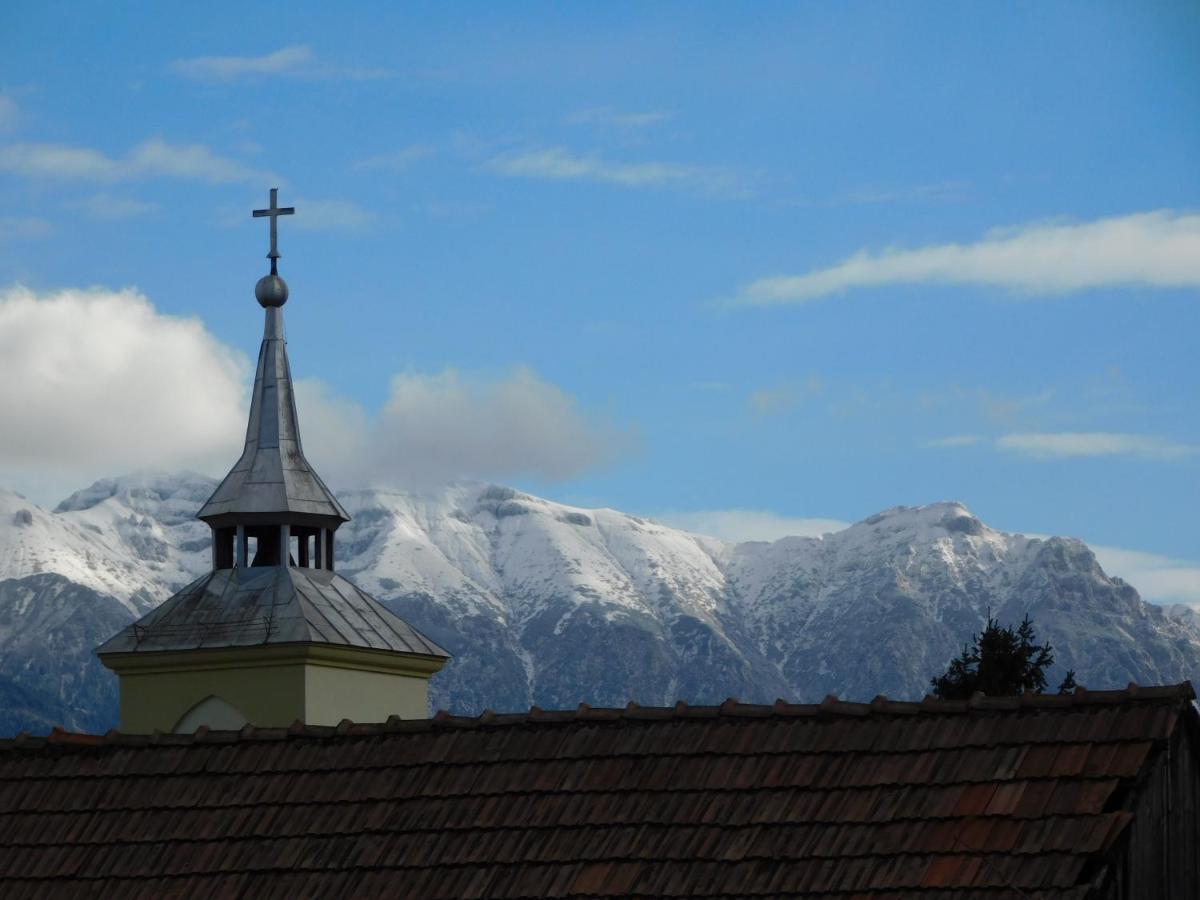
(546, 603)
(129, 538)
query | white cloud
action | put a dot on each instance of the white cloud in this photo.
(613, 118)
(228, 68)
(15, 227)
(1058, 445)
(1159, 249)
(330, 215)
(1158, 578)
(151, 158)
(97, 381)
(437, 428)
(398, 160)
(561, 164)
(749, 524)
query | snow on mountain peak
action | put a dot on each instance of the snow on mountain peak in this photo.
(494, 547)
(159, 493)
(542, 602)
(134, 538)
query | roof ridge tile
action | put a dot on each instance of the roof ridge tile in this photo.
(731, 707)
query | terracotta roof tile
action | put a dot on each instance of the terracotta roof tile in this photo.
(972, 800)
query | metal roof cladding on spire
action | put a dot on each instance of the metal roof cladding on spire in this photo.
(273, 632)
(272, 477)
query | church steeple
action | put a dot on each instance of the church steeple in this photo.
(272, 484)
(272, 634)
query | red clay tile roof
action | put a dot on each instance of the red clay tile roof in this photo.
(983, 799)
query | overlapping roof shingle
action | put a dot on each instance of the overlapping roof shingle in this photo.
(987, 799)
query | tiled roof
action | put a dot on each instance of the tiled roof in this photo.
(983, 799)
(270, 605)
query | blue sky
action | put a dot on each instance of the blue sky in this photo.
(808, 260)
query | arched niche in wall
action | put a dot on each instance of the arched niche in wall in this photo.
(217, 714)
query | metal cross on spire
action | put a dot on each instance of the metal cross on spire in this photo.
(274, 211)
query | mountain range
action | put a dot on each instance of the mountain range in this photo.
(552, 605)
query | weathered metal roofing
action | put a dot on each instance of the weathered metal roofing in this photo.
(272, 476)
(270, 605)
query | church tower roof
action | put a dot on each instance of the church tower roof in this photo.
(273, 633)
(272, 477)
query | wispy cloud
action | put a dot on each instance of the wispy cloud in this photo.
(562, 164)
(1159, 249)
(1057, 445)
(1075, 444)
(113, 206)
(609, 117)
(739, 525)
(228, 68)
(297, 60)
(956, 440)
(16, 227)
(782, 397)
(9, 112)
(1158, 578)
(149, 159)
(1004, 409)
(397, 161)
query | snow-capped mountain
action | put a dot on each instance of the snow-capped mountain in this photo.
(553, 605)
(129, 538)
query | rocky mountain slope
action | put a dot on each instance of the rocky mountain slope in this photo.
(546, 604)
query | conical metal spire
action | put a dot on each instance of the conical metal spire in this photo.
(272, 478)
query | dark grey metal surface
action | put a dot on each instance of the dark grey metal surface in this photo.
(271, 290)
(270, 605)
(274, 211)
(272, 476)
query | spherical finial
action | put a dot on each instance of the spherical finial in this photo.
(271, 290)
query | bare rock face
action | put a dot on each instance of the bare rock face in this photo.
(546, 604)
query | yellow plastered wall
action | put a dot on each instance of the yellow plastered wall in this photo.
(332, 694)
(266, 695)
(273, 686)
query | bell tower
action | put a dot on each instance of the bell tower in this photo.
(272, 633)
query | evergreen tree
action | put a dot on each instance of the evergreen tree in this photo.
(1000, 662)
